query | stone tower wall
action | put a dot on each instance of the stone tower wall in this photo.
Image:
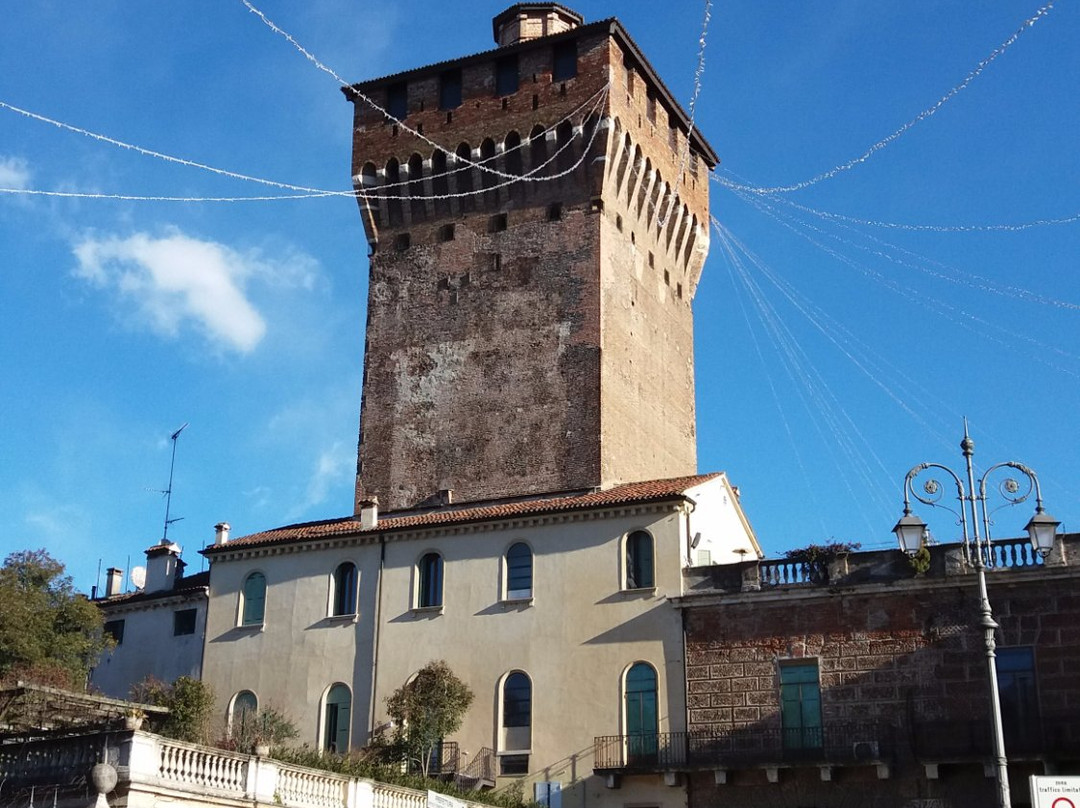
(518, 340)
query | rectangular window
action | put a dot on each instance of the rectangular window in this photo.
(673, 137)
(564, 61)
(513, 764)
(1019, 699)
(450, 89)
(183, 622)
(506, 75)
(800, 706)
(397, 100)
(114, 629)
(650, 106)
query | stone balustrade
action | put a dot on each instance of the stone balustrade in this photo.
(151, 768)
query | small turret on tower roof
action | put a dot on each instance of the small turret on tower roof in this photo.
(523, 21)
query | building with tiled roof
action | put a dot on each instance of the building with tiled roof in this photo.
(158, 627)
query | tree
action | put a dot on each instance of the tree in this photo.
(426, 709)
(190, 703)
(49, 633)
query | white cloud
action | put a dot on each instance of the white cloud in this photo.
(334, 467)
(14, 173)
(175, 280)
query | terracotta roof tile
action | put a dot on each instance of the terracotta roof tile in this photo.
(626, 494)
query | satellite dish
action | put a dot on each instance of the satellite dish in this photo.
(138, 577)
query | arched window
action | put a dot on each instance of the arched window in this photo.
(642, 717)
(519, 572)
(538, 152)
(563, 135)
(344, 597)
(242, 710)
(394, 189)
(515, 735)
(429, 581)
(416, 188)
(639, 561)
(253, 600)
(336, 723)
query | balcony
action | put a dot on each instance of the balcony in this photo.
(955, 741)
(849, 744)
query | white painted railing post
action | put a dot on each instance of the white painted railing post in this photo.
(266, 779)
(362, 794)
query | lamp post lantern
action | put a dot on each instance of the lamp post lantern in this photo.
(911, 533)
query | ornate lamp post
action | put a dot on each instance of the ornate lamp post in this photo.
(911, 532)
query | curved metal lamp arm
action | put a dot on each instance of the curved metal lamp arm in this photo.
(1009, 490)
(933, 493)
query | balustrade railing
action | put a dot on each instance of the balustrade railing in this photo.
(1013, 553)
(149, 762)
(195, 765)
(793, 573)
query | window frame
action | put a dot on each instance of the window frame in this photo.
(809, 735)
(194, 613)
(339, 604)
(644, 743)
(633, 561)
(242, 617)
(428, 591)
(518, 594)
(325, 725)
(237, 696)
(114, 628)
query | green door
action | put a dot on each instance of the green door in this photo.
(800, 706)
(642, 720)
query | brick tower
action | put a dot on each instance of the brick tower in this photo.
(528, 332)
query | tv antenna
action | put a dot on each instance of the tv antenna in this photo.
(168, 491)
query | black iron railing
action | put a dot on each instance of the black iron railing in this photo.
(837, 744)
(950, 739)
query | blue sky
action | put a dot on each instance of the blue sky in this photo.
(839, 357)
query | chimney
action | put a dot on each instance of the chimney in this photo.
(524, 21)
(369, 513)
(114, 579)
(221, 533)
(161, 564)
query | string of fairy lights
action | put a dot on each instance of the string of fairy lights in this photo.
(749, 272)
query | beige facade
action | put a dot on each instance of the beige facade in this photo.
(575, 634)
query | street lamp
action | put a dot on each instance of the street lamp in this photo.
(911, 533)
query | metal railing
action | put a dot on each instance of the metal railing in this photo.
(950, 739)
(837, 744)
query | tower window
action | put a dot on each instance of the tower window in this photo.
(506, 75)
(496, 224)
(554, 212)
(397, 100)
(402, 241)
(450, 89)
(650, 106)
(446, 232)
(564, 61)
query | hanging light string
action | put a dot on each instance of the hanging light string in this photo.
(962, 317)
(592, 106)
(822, 404)
(951, 274)
(922, 116)
(305, 193)
(922, 228)
(353, 91)
(137, 198)
(376, 192)
(169, 158)
(698, 73)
